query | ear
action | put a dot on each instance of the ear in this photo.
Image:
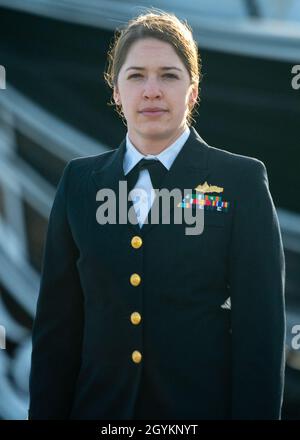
(193, 95)
(116, 95)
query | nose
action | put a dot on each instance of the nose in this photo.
(152, 89)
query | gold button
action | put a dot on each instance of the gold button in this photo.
(135, 279)
(135, 318)
(136, 356)
(136, 242)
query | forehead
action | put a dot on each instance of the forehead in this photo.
(151, 51)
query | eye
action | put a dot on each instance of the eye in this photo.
(170, 76)
(135, 75)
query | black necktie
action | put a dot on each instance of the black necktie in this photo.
(156, 170)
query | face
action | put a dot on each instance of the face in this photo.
(155, 92)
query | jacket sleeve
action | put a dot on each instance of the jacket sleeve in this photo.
(257, 278)
(58, 325)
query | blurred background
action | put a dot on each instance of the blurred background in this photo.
(54, 107)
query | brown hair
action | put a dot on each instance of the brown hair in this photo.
(162, 26)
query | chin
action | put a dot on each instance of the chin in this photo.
(156, 130)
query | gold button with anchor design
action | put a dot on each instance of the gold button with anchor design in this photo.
(136, 242)
(135, 279)
(136, 356)
(135, 318)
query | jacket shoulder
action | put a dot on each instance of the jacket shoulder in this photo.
(90, 163)
(80, 168)
(77, 172)
(222, 159)
(237, 165)
(239, 161)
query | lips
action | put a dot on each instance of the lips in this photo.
(153, 111)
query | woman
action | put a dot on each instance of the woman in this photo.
(137, 320)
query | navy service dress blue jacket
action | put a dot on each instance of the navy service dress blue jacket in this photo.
(153, 323)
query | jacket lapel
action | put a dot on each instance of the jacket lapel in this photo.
(189, 169)
(109, 176)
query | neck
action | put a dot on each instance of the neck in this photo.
(153, 143)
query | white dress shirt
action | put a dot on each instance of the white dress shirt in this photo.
(143, 194)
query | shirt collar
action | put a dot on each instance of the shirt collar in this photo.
(167, 156)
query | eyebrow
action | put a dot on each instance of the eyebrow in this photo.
(161, 68)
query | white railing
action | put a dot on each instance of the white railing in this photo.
(19, 182)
